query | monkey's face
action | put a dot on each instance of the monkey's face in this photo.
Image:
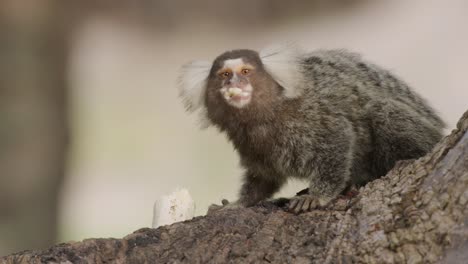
(242, 83)
(235, 86)
(239, 79)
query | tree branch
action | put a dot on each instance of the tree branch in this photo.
(415, 214)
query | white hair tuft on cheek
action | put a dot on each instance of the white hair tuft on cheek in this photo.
(283, 63)
(192, 86)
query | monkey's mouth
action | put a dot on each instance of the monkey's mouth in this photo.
(236, 96)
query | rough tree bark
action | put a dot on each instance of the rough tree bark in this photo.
(416, 214)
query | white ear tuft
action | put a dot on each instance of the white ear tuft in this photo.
(203, 120)
(192, 84)
(283, 63)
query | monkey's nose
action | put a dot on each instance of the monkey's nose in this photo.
(236, 83)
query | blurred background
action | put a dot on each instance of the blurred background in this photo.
(92, 131)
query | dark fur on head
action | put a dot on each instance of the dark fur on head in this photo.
(327, 116)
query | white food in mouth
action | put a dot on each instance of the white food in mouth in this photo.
(234, 91)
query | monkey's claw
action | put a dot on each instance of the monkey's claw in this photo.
(303, 203)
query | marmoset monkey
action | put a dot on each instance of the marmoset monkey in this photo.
(327, 116)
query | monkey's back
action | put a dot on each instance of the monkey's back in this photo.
(340, 76)
(390, 121)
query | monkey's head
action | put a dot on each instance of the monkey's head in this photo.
(235, 75)
(242, 83)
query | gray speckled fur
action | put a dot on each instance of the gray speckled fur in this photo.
(357, 121)
(352, 121)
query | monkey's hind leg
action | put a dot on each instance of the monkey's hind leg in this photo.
(320, 194)
(399, 133)
(330, 169)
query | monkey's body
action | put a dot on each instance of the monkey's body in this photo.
(349, 124)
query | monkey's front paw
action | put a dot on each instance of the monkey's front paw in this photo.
(305, 203)
(226, 206)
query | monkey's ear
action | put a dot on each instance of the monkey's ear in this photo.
(283, 63)
(192, 84)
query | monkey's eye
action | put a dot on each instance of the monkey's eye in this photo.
(225, 75)
(245, 71)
